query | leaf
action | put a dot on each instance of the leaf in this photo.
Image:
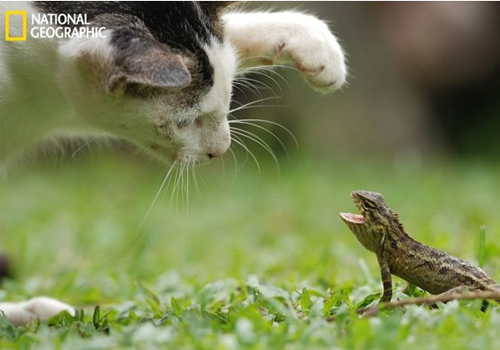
(7, 329)
(96, 318)
(482, 246)
(305, 300)
(370, 298)
(62, 319)
(178, 309)
(151, 298)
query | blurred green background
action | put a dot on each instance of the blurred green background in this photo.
(424, 81)
(418, 121)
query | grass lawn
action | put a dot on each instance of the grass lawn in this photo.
(256, 263)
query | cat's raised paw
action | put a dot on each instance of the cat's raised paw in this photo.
(289, 38)
(316, 53)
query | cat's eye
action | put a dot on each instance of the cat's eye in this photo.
(182, 123)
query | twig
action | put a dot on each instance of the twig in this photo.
(373, 310)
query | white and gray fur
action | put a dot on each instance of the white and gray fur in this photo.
(162, 78)
(152, 81)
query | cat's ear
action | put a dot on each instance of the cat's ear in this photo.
(215, 8)
(148, 62)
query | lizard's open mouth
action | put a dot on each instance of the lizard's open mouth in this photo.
(350, 218)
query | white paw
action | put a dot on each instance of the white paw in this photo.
(314, 51)
(40, 308)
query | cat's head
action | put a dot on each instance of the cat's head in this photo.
(161, 78)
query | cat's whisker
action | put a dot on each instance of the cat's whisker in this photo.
(288, 131)
(234, 158)
(240, 142)
(188, 167)
(202, 176)
(251, 136)
(240, 88)
(245, 160)
(214, 117)
(268, 76)
(199, 178)
(253, 103)
(178, 192)
(187, 185)
(223, 168)
(262, 128)
(256, 106)
(139, 233)
(258, 140)
(167, 177)
(167, 187)
(235, 167)
(255, 85)
(243, 83)
(242, 69)
(175, 188)
(262, 70)
(237, 102)
(182, 191)
(92, 139)
(245, 70)
(267, 71)
(195, 180)
(256, 101)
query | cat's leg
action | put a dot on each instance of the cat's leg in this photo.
(40, 308)
(289, 38)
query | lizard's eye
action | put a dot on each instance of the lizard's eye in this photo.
(369, 205)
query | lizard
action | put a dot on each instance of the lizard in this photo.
(380, 231)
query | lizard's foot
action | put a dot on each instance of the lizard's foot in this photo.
(39, 308)
(459, 290)
(465, 289)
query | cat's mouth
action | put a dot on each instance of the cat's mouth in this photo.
(167, 155)
(156, 147)
(160, 152)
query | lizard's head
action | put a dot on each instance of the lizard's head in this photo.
(374, 221)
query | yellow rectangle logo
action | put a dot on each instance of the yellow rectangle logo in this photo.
(24, 16)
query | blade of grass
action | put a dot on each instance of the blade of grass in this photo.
(482, 246)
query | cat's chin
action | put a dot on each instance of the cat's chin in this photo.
(163, 155)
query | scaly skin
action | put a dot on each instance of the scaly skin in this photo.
(378, 229)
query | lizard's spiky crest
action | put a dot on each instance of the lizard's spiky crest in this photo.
(398, 222)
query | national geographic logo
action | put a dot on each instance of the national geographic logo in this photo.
(49, 25)
(13, 16)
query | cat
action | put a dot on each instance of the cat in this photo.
(157, 74)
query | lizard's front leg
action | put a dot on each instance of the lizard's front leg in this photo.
(385, 273)
(288, 38)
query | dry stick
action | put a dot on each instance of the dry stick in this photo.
(373, 310)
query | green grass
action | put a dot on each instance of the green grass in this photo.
(258, 263)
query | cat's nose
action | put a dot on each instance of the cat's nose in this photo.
(219, 143)
(215, 154)
(219, 150)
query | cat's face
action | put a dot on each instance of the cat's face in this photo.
(171, 100)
